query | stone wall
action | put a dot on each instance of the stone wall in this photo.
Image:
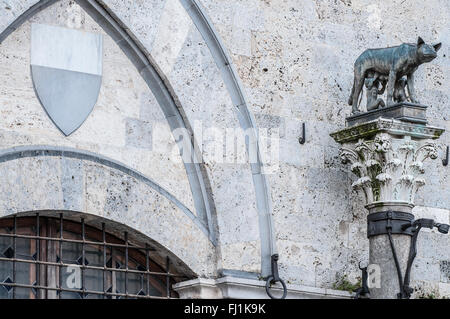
(294, 59)
(79, 184)
(121, 127)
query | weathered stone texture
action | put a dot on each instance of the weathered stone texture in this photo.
(184, 59)
(444, 267)
(295, 61)
(11, 9)
(114, 128)
(300, 69)
(60, 183)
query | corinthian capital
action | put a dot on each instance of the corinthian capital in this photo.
(388, 168)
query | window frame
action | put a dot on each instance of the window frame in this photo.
(50, 233)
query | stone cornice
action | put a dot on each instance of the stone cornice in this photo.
(380, 125)
(229, 287)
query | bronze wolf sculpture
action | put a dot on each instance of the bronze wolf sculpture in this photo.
(394, 62)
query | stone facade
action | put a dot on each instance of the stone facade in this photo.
(293, 62)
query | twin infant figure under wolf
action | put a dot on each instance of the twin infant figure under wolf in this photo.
(393, 68)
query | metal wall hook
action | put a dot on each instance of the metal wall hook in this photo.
(445, 160)
(302, 139)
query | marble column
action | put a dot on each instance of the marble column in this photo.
(387, 155)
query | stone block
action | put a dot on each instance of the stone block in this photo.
(72, 184)
(426, 269)
(433, 245)
(243, 256)
(307, 155)
(273, 124)
(138, 134)
(444, 290)
(445, 270)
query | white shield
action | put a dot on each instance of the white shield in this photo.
(66, 68)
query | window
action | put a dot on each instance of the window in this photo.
(46, 257)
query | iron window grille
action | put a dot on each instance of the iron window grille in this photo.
(39, 259)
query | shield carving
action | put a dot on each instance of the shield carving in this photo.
(66, 68)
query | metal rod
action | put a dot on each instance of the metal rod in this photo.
(50, 263)
(83, 257)
(302, 139)
(87, 242)
(104, 257)
(397, 264)
(445, 160)
(147, 267)
(77, 291)
(126, 265)
(411, 256)
(167, 277)
(38, 281)
(14, 255)
(61, 228)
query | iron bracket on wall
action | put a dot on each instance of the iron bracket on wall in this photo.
(445, 160)
(392, 222)
(416, 226)
(302, 139)
(363, 292)
(379, 223)
(275, 277)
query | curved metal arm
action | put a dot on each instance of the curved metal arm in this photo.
(442, 228)
(400, 295)
(393, 223)
(418, 224)
(412, 254)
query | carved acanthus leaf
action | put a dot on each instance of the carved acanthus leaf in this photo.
(388, 168)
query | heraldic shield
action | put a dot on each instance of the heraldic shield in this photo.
(66, 68)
